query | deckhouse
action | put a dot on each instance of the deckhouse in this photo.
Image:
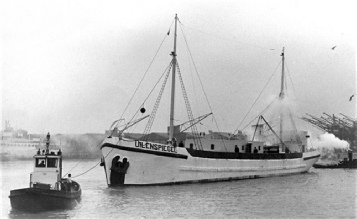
(47, 169)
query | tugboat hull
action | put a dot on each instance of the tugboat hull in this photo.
(349, 163)
(36, 200)
(344, 164)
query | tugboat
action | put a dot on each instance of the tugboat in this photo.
(48, 190)
(344, 128)
(347, 163)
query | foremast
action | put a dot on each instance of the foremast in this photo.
(172, 107)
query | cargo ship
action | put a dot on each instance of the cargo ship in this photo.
(17, 143)
(195, 157)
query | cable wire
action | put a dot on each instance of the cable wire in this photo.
(219, 37)
(256, 99)
(145, 73)
(199, 78)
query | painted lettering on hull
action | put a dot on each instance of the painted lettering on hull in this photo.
(155, 147)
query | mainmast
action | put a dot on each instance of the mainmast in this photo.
(282, 88)
(281, 97)
(172, 108)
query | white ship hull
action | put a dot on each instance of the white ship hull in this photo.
(17, 150)
(153, 164)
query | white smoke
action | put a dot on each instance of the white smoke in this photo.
(330, 141)
(332, 149)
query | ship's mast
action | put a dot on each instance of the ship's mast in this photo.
(172, 108)
(282, 89)
(48, 143)
(281, 97)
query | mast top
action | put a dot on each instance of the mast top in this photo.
(282, 52)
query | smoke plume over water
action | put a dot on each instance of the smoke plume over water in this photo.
(332, 149)
(79, 146)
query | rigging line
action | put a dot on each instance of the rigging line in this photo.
(266, 108)
(194, 130)
(219, 37)
(197, 109)
(199, 78)
(287, 69)
(257, 98)
(194, 65)
(157, 102)
(169, 66)
(281, 140)
(292, 84)
(132, 129)
(144, 74)
(256, 127)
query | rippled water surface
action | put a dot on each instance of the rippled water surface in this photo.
(319, 193)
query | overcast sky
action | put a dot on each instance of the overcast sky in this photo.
(72, 66)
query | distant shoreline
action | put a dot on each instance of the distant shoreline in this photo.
(30, 159)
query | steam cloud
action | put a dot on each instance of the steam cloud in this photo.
(332, 149)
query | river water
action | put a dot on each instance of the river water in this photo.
(318, 193)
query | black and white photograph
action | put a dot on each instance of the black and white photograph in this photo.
(178, 109)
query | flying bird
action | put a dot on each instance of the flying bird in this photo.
(333, 48)
(351, 97)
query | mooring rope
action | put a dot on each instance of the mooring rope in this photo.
(89, 168)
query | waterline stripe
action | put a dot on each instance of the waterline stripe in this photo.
(308, 158)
